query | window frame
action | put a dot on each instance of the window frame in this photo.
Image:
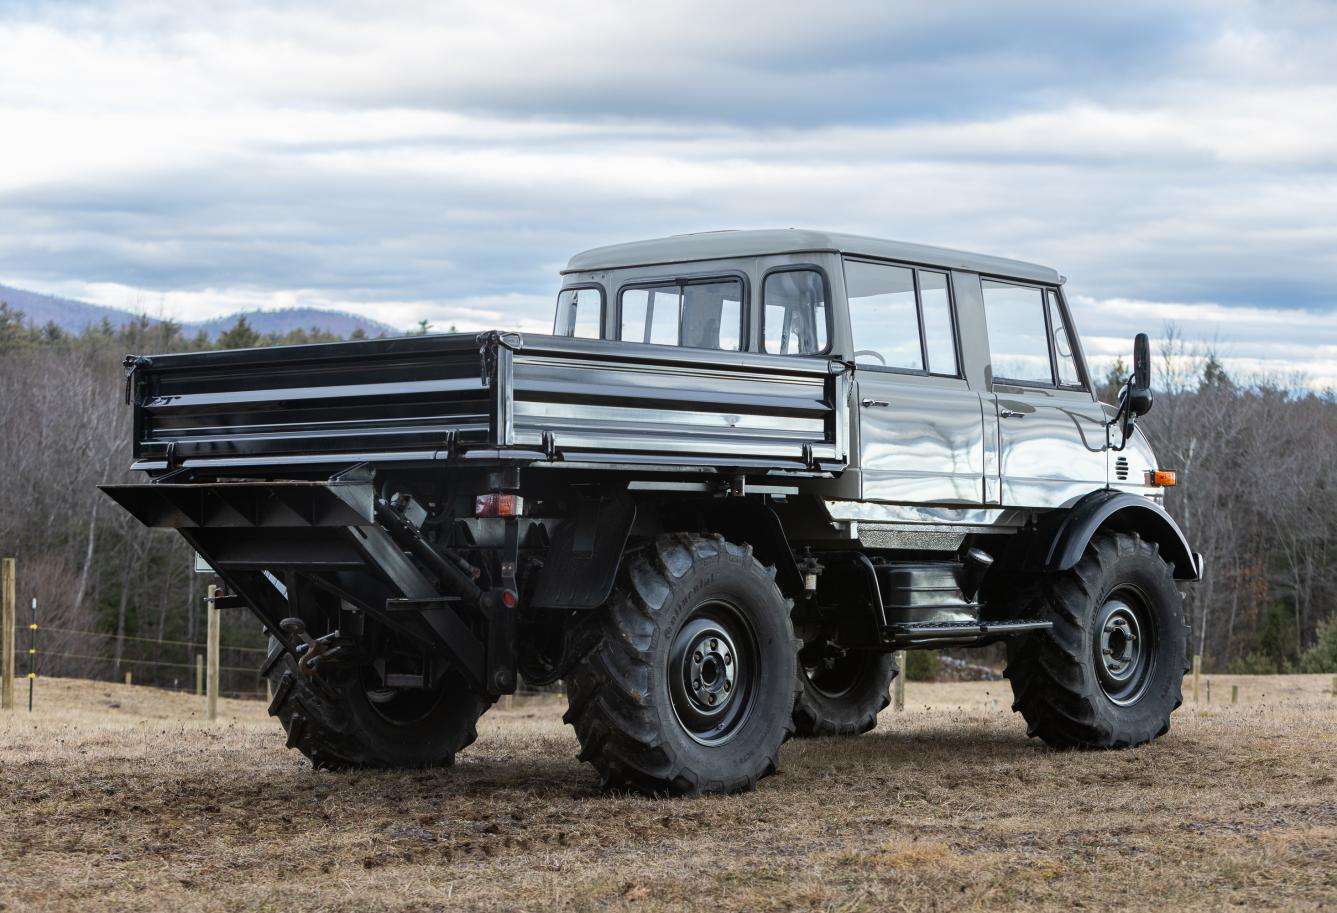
(603, 307)
(1078, 360)
(826, 291)
(744, 306)
(915, 270)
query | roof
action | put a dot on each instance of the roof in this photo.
(718, 245)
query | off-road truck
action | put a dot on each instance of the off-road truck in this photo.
(743, 470)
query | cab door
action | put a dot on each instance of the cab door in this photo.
(1051, 430)
(921, 433)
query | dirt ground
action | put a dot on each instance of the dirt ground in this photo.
(122, 798)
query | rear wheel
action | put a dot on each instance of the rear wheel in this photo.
(1109, 673)
(842, 691)
(691, 686)
(344, 718)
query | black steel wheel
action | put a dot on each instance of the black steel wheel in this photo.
(841, 691)
(1109, 673)
(691, 685)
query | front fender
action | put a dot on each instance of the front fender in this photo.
(1063, 545)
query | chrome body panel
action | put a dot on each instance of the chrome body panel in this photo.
(1051, 445)
(926, 445)
(926, 515)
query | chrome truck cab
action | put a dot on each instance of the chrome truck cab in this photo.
(744, 470)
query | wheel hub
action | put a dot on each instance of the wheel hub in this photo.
(711, 666)
(1122, 648)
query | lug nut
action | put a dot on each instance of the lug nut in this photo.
(710, 698)
(696, 657)
(728, 658)
(696, 685)
(728, 685)
(714, 644)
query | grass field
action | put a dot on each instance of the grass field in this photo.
(119, 797)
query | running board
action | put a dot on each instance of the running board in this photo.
(928, 633)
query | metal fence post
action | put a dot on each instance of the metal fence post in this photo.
(212, 649)
(899, 689)
(7, 611)
(32, 653)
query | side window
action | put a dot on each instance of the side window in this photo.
(1018, 339)
(699, 315)
(901, 318)
(579, 313)
(793, 317)
(1064, 355)
(939, 334)
(882, 315)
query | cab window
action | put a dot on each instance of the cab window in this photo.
(698, 314)
(1018, 333)
(1065, 355)
(901, 318)
(579, 313)
(793, 317)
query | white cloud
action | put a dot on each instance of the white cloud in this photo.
(440, 161)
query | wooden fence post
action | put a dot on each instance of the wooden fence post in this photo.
(1197, 673)
(8, 611)
(1234, 694)
(1207, 691)
(212, 650)
(129, 677)
(899, 689)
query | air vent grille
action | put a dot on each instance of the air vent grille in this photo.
(1121, 469)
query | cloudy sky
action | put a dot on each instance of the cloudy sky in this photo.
(440, 161)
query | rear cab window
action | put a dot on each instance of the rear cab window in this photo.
(579, 313)
(695, 313)
(794, 315)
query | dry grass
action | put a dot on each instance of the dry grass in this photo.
(122, 798)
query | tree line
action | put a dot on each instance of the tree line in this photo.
(1257, 495)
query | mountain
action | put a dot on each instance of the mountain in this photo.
(74, 316)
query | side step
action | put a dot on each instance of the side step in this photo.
(925, 633)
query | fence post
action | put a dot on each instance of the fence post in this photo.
(199, 675)
(899, 689)
(1197, 673)
(1207, 691)
(1234, 694)
(32, 653)
(212, 649)
(8, 596)
(129, 677)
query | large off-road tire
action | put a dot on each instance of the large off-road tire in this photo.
(340, 719)
(841, 692)
(691, 685)
(1109, 673)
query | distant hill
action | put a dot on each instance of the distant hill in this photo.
(74, 316)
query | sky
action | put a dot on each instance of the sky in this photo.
(440, 161)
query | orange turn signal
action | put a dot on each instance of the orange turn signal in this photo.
(1165, 478)
(499, 505)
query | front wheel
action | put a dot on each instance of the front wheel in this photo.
(1109, 673)
(691, 686)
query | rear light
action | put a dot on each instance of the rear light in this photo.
(1165, 478)
(498, 505)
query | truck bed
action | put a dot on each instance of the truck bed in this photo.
(487, 397)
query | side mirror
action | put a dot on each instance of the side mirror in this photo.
(1139, 385)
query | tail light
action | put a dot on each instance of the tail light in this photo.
(499, 505)
(1164, 478)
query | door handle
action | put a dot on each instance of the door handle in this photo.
(1008, 413)
(879, 403)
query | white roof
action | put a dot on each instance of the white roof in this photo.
(718, 245)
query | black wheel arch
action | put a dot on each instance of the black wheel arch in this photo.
(1062, 536)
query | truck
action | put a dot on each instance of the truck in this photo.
(744, 471)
